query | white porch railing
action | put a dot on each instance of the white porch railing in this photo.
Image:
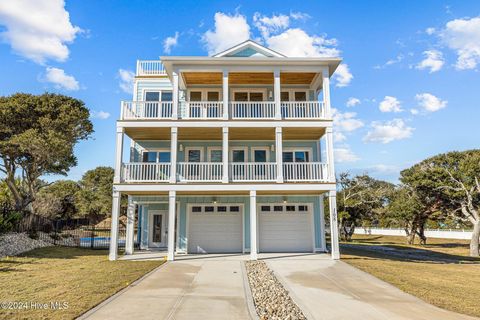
(253, 171)
(305, 171)
(302, 110)
(252, 109)
(150, 68)
(143, 172)
(146, 110)
(200, 171)
(203, 109)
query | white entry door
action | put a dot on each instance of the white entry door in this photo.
(215, 229)
(158, 229)
(285, 228)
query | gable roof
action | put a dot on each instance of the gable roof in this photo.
(249, 48)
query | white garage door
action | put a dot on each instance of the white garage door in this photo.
(215, 229)
(285, 228)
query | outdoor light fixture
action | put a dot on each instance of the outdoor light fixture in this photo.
(270, 95)
(284, 199)
(180, 147)
(272, 147)
(214, 200)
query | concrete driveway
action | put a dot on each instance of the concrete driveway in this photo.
(326, 289)
(206, 287)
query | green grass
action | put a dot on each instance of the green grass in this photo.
(80, 277)
(440, 273)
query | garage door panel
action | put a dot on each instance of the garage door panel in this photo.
(285, 232)
(215, 232)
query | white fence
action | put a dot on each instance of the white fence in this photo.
(200, 171)
(305, 171)
(146, 110)
(253, 171)
(140, 172)
(303, 110)
(429, 233)
(204, 109)
(150, 68)
(252, 109)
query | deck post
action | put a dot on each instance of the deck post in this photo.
(130, 234)
(323, 246)
(175, 95)
(225, 94)
(113, 254)
(173, 154)
(326, 93)
(171, 225)
(225, 154)
(335, 249)
(279, 153)
(329, 151)
(118, 155)
(277, 94)
(253, 225)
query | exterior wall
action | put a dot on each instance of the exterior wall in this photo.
(161, 203)
(140, 145)
(153, 84)
(445, 234)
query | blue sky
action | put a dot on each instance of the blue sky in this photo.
(411, 76)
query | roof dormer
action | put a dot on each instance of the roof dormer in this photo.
(249, 48)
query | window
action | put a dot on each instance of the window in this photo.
(287, 156)
(195, 96)
(301, 156)
(284, 96)
(300, 96)
(156, 156)
(295, 156)
(260, 155)
(248, 96)
(167, 96)
(265, 208)
(149, 156)
(303, 208)
(164, 156)
(221, 209)
(238, 155)
(152, 96)
(234, 209)
(277, 208)
(196, 209)
(215, 155)
(213, 96)
(241, 96)
(194, 155)
(290, 208)
(209, 209)
(256, 96)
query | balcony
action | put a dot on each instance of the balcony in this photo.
(150, 68)
(212, 172)
(238, 110)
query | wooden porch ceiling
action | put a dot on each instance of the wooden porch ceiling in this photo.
(215, 78)
(311, 133)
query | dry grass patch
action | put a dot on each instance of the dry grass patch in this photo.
(440, 273)
(80, 277)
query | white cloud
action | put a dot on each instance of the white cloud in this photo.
(388, 131)
(430, 31)
(352, 102)
(390, 104)
(463, 36)
(339, 137)
(126, 80)
(295, 42)
(229, 31)
(342, 75)
(38, 29)
(60, 79)
(430, 103)
(100, 115)
(170, 42)
(300, 15)
(414, 111)
(346, 122)
(397, 59)
(273, 24)
(433, 61)
(344, 154)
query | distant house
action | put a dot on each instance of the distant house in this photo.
(231, 153)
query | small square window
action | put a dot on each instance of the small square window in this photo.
(196, 209)
(222, 209)
(290, 208)
(209, 209)
(234, 209)
(303, 208)
(265, 208)
(278, 208)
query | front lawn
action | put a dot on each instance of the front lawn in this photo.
(440, 273)
(81, 278)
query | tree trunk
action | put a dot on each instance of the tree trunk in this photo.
(474, 248)
(421, 234)
(411, 233)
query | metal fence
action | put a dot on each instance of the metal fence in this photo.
(82, 233)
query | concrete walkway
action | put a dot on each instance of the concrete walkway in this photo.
(208, 287)
(326, 289)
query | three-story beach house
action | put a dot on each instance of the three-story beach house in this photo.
(231, 153)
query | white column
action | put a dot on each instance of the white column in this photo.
(225, 154)
(171, 225)
(130, 233)
(279, 153)
(225, 94)
(113, 254)
(322, 224)
(329, 151)
(175, 95)
(277, 94)
(326, 92)
(173, 154)
(118, 155)
(332, 197)
(253, 225)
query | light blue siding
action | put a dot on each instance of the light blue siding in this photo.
(157, 84)
(183, 201)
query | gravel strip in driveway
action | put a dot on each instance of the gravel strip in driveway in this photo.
(271, 299)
